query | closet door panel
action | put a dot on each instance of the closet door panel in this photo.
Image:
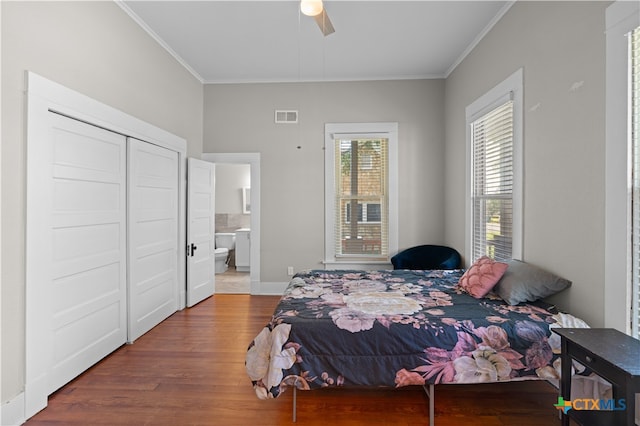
(88, 239)
(153, 236)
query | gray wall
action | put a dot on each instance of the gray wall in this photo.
(240, 118)
(96, 49)
(561, 47)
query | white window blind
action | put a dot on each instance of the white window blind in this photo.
(362, 181)
(635, 175)
(492, 186)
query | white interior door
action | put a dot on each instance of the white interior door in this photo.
(153, 236)
(85, 292)
(200, 230)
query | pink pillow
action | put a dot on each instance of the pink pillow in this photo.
(480, 278)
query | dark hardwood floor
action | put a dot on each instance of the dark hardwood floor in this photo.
(189, 370)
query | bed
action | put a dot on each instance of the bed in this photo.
(397, 328)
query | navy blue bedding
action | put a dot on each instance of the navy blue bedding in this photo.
(396, 328)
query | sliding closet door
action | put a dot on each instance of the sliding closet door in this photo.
(85, 294)
(153, 236)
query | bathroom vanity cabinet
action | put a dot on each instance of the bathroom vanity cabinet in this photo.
(243, 249)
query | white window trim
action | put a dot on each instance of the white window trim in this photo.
(511, 87)
(621, 18)
(357, 130)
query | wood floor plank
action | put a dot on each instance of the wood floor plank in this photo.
(189, 370)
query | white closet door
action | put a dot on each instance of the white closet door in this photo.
(153, 236)
(200, 230)
(87, 286)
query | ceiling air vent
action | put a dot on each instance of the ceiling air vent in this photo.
(288, 117)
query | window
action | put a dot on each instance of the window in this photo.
(361, 176)
(494, 184)
(358, 183)
(622, 168)
(492, 188)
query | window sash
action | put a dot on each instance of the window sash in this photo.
(361, 179)
(493, 181)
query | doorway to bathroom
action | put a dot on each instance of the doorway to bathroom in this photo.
(237, 224)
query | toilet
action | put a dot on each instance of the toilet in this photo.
(225, 241)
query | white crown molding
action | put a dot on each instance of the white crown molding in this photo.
(122, 4)
(480, 36)
(327, 80)
(158, 39)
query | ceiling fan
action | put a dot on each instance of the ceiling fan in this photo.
(315, 9)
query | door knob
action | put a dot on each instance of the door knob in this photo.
(192, 248)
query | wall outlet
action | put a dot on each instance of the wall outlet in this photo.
(290, 271)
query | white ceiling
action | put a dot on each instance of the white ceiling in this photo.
(270, 41)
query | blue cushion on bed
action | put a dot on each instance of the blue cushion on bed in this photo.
(427, 257)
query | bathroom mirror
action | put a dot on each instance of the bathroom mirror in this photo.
(246, 200)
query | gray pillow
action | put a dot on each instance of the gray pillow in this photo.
(523, 282)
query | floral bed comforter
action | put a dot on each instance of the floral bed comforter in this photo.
(396, 328)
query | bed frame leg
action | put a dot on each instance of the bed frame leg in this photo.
(295, 391)
(432, 396)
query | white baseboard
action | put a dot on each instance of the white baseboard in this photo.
(269, 289)
(13, 411)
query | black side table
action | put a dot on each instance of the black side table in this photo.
(612, 355)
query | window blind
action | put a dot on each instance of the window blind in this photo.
(362, 206)
(492, 186)
(635, 177)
